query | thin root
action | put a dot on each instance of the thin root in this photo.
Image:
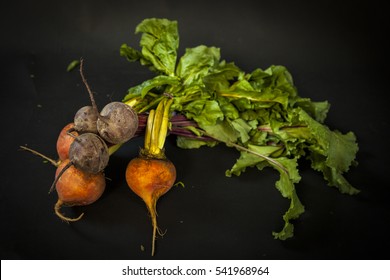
(57, 208)
(69, 164)
(153, 215)
(160, 232)
(52, 161)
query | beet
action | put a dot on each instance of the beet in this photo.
(76, 188)
(117, 123)
(89, 153)
(85, 119)
(65, 140)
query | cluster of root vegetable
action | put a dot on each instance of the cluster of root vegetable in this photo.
(85, 145)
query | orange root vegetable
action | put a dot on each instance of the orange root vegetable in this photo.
(151, 174)
(156, 177)
(65, 140)
(76, 188)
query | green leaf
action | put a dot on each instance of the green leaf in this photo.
(221, 76)
(193, 143)
(247, 159)
(242, 85)
(332, 152)
(334, 176)
(317, 110)
(159, 42)
(243, 129)
(130, 53)
(204, 112)
(148, 85)
(339, 149)
(196, 63)
(286, 186)
(274, 77)
(221, 131)
(294, 133)
(286, 178)
(228, 109)
(73, 65)
(289, 176)
(264, 99)
(295, 210)
(342, 150)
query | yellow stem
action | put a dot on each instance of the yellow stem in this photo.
(164, 124)
(157, 129)
(133, 101)
(148, 132)
(114, 148)
(155, 150)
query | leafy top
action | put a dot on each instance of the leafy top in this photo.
(260, 113)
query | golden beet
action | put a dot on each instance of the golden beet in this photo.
(155, 177)
(65, 140)
(150, 178)
(151, 174)
(75, 188)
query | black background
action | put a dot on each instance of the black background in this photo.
(335, 50)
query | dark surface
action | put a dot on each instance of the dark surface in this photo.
(335, 52)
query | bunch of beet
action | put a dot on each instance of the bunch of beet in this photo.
(84, 147)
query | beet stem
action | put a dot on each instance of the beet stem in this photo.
(69, 133)
(87, 86)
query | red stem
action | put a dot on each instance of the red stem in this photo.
(178, 124)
